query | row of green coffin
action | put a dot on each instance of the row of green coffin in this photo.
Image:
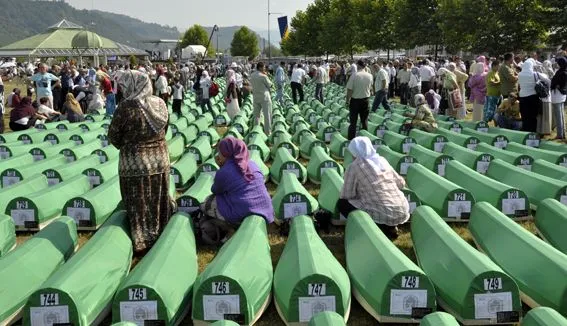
(57, 129)
(45, 150)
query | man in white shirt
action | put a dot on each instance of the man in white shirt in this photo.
(178, 95)
(297, 81)
(280, 83)
(359, 88)
(261, 86)
(43, 82)
(381, 84)
(403, 78)
(427, 73)
(2, 109)
(46, 111)
(320, 80)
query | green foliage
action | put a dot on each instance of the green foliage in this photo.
(133, 61)
(197, 35)
(244, 43)
(275, 52)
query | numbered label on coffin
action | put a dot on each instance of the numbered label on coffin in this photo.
(438, 146)
(49, 315)
(482, 167)
(459, 207)
(295, 205)
(330, 165)
(501, 143)
(216, 306)
(187, 205)
(94, 177)
(311, 306)
(9, 181)
(80, 210)
(532, 141)
(408, 144)
(316, 289)
(138, 311)
(402, 302)
(488, 305)
(514, 203)
(22, 211)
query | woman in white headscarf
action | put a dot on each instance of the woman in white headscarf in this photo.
(545, 119)
(373, 186)
(232, 107)
(138, 130)
(205, 83)
(451, 91)
(530, 103)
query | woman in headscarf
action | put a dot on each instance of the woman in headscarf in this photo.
(205, 84)
(461, 81)
(138, 130)
(559, 96)
(414, 84)
(373, 186)
(423, 118)
(451, 91)
(232, 107)
(238, 190)
(477, 84)
(72, 108)
(24, 116)
(482, 61)
(530, 103)
(161, 85)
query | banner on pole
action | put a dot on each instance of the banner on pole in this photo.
(284, 27)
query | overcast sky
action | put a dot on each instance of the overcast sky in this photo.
(184, 13)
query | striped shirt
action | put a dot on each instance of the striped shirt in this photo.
(378, 194)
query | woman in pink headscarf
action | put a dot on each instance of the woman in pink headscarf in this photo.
(232, 107)
(238, 190)
(482, 60)
(477, 84)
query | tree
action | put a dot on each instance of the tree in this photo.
(245, 43)
(376, 32)
(340, 28)
(197, 35)
(275, 51)
(416, 23)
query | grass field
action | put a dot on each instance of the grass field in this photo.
(334, 240)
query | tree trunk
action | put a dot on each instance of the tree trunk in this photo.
(436, 51)
(388, 55)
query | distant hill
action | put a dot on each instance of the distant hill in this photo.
(24, 18)
(225, 37)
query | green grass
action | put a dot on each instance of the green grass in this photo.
(334, 241)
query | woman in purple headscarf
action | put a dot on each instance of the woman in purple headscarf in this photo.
(238, 189)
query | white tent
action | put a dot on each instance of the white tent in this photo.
(193, 51)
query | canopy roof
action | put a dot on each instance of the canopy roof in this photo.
(58, 41)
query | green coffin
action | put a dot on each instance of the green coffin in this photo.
(240, 124)
(64, 172)
(212, 134)
(74, 153)
(550, 156)
(467, 141)
(210, 167)
(285, 162)
(93, 208)
(256, 157)
(201, 124)
(222, 119)
(327, 318)
(476, 125)
(184, 171)
(284, 141)
(543, 316)
(308, 278)
(477, 161)
(338, 146)
(385, 281)
(428, 140)
(175, 148)
(530, 139)
(434, 161)
(551, 223)
(257, 130)
(326, 132)
(439, 319)
(551, 170)
(201, 149)
(553, 146)
(190, 200)
(107, 154)
(331, 187)
(34, 210)
(100, 173)
(399, 162)
(258, 143)
(189, 135)
(83, 288)
(236, 285)
(179, 124)
(32, 136)
(468, 283)
(32, 263)
(14, 175)
(7, 234)
(496, 140)
(535, 186)
(448, 200)
(91, 126)
(161, 285)
(510, 246)
(520, 160)
(28, 186)
(42, 152)
(319, 163)
(56, 137)
(10, 150)
(397, 142)
(376, 142)
(292, 199)
(509, 200)
(85, 137)
(299, 133)
(15, 162)
(308, 143)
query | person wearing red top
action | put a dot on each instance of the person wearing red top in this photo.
(106, 87)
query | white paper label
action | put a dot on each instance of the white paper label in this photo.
(4, 155)
(216, 306)
(410, 282)
(402, 301)
(412, 206)
(472, 146)
(53, 141)
(485, 130)
(49, 299)
(316, 289)
(78, 142)
(456, 129)
(79, 214)
(380, 133)
(104, 143)
(325, 169)
(26, 141)
(441, 169)
(455, 208)
(438, 147)
(532, 142)
(487, 305)
(563, 200)
(22, 215)
(482, 167)
(187, 210)
(212, 173)
(510, 206)
(404, 168)
(138, 311)
(47, 316)
(102, 158)
(407, 147)
(501, 144)
(294, 171)
(526, 167)
(197, 157)
(328, 136)
(94, 180)
(8, 181)
(176, 178)
(294, 209)
(493, 283)
(38, 157)
(310, 306)
(220, 288)
(137, 294)
(563, 164)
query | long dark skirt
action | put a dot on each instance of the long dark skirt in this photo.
(147, 202)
